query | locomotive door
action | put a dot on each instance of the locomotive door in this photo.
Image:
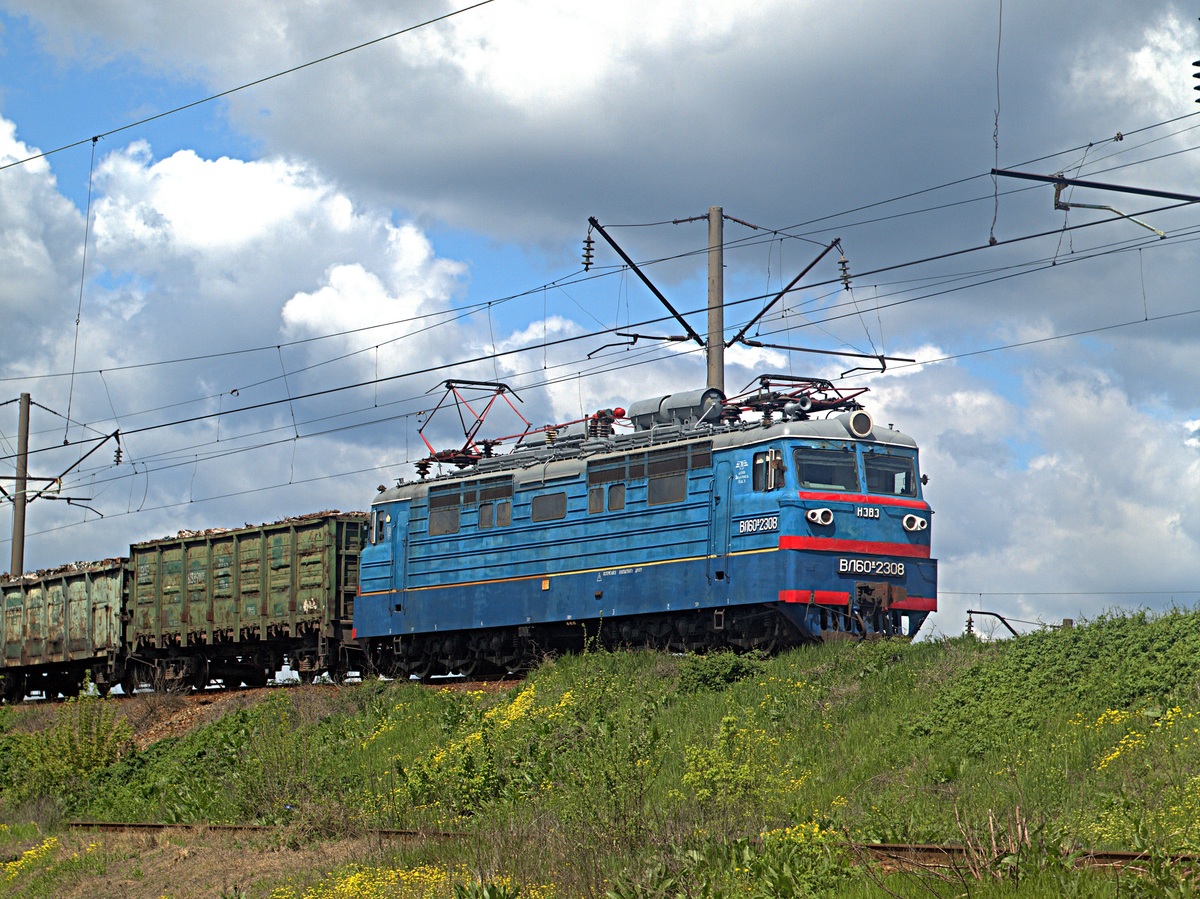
(397, 536)
(719, 515)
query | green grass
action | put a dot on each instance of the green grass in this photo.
(642, 774)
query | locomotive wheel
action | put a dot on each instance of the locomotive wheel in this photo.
(422, 668)
(478, 666)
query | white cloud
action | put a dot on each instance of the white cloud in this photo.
(539, 56)
(410, 287)
(1102, 507)
(1147, 67)
(41, 238)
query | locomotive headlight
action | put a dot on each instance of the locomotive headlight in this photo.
(914, 523)
(822, 517)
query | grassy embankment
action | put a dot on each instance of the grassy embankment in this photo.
(645, 775)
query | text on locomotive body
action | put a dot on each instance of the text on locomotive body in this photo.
(877, 567)
(754, 525)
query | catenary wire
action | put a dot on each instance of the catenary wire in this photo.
(249, 84)
(592, 335)
(571, 375)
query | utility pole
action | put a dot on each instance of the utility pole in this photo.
(716, 298)
(19, 499)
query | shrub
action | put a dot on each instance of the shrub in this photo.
(702, 673)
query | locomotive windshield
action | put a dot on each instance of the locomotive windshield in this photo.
(890, 474)
(822, 469)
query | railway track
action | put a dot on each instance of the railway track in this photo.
(149, 827)
(897, 856)
(912, 856)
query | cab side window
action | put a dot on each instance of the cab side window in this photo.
(768, 470)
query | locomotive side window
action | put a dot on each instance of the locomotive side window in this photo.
(667, 461)
(606, 471)
(443, 510)
(616, 498)
(443, 522)
(495, 506)
(768, 470)
(668, 489)
(446, 501)
(445, 497)
(820, 469)
(665, 468)
(890, 474)
(637, 467)
(496, 488)
(550, 506)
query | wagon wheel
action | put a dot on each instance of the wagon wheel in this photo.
(199, 678)
(130, 680)
(14, 687)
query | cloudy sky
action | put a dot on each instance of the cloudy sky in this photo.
(414, 210)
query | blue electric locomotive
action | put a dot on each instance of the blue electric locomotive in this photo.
(695, 530)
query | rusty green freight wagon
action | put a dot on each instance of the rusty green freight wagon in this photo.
(237, 605)
(61, 626)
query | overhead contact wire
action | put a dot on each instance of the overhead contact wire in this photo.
(248, 84)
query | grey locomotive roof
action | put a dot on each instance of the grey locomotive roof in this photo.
(568, 455)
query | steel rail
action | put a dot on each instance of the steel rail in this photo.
(930, 855)
(903, 855)
(153, 827)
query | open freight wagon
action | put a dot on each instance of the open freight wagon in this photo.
(232, 606)
(237, 605)
(60, 626)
